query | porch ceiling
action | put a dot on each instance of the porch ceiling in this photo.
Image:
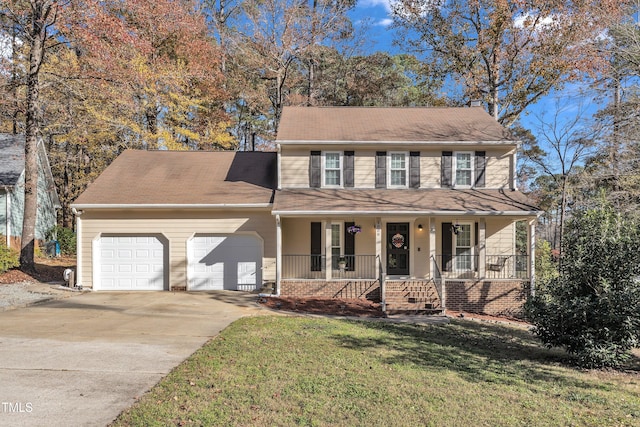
(403, 201)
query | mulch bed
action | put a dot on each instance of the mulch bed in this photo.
(47, 270)
(360, 308)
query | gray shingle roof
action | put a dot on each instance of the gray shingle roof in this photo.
(11, 158)
(386, 124)
(145, 178)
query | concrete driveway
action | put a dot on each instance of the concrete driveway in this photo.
(82, 360)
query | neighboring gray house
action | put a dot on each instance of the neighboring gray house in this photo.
(12, 190)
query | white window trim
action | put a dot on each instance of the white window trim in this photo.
(324, 169)
(454, 169)
(471, 246)
(406, 169)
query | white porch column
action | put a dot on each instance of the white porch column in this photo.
(378, 223)
(432, 245)
(278, 254)
(532, 255)
(79, 250)
(327, 250)
(482, 248)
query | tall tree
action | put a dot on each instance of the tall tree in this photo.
(614, 168)
(569, 141)
(507, 53)
(158, 65)
(32, 23)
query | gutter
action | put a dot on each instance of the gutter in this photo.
(369, 142)
(173, 206)
(407, 212)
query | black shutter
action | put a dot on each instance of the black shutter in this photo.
(446, 173)
(316, 246)
(348, 168)
(481, 167)
(315, 169)
(414, 169)
(381, 169)
(477, 239)
(447, 246)
(349, 247)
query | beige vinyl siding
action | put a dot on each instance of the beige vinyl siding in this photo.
(177, 227)
(420, 248)
(296, 235)
(430, 169)
(294, 168)
(498, 169)
(365, 169)
(500, 236)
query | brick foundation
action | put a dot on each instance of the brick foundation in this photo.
(344, 289)
(495, 297)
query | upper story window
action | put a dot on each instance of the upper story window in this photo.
(332, 169)
(464, 169)
(398, 169)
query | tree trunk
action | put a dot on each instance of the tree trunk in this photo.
(40, 10)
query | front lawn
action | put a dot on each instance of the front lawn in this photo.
(279, 371)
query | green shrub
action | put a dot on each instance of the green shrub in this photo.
(65, 237)
(592, 308)
(9, 258)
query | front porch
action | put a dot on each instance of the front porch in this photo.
(415, 264)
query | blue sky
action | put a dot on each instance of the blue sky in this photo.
(376, 15)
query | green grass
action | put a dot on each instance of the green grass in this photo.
(280, 371)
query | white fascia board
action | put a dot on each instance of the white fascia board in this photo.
(437, 143)
(411, 213)
(174, 206)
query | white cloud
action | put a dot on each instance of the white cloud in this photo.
(374, 3)
(385, 22)
(529, 19)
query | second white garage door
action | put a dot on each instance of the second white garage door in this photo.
(219, 262)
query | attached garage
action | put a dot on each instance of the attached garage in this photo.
(232, 262)
(131, 263)
(179, 220)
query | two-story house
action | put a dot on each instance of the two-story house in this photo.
(418, 202)
(416, 207)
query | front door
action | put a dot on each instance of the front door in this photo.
(398, 248)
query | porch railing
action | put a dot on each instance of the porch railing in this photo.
(440, 283)
(507, 266)
(496, 266)
(314, 267)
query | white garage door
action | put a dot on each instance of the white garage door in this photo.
(132, 263)
(224, 262)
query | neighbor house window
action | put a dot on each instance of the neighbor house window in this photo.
(464, 169)
(332, 170)
(464, 251)
(398, 169)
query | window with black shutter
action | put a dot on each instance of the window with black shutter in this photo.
(348, 169)
(316, 246)
(349, 247)
(447, 247)
(381, 169)
(481, 167)
(446, 180)
(414, 169)
(315, 169)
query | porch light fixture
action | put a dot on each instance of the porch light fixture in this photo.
(456, 228)
(420, 227)
(354, 229)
